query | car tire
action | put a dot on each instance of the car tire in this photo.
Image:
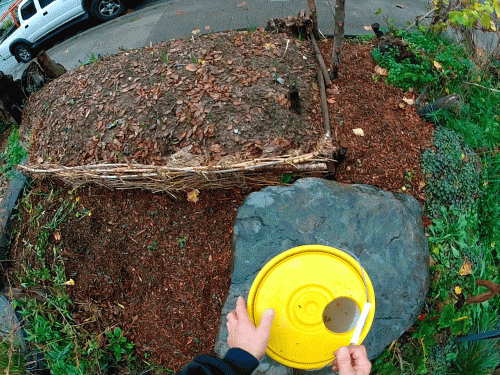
(23, 53)
(105, 10)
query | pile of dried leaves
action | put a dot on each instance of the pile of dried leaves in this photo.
(216, 94)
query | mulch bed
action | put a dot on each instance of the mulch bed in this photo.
(160, 267)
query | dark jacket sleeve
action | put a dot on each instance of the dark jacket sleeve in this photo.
(236, 362)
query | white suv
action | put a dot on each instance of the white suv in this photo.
(37, 20)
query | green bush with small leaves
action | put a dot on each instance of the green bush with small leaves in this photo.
(453, 173)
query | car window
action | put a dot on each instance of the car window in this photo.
(28, 10)
(44, 3)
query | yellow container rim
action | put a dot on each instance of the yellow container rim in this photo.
(299, 284)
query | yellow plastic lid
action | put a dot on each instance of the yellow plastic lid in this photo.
(301, 285)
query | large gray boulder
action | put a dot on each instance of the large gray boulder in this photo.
(382, 229)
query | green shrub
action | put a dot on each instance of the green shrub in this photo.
(418, 69)
(439, 358)
(453, 173)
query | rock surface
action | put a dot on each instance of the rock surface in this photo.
(382, 229)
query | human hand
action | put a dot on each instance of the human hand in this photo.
(352, 360)
(242, 332)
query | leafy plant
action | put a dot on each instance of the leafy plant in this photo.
(465, 16)
(286, 178)
(453, 173)
(118, 344)
(13, 154)
(440, 357)
(182, 241)
(90, 61)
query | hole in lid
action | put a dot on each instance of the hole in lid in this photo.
(341, 315)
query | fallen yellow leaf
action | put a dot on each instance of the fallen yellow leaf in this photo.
(192, 195)
(466, 268)
(359, 131)
(438, 66)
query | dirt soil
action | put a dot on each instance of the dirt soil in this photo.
(159, 267)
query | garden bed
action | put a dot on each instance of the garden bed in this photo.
(158, 267)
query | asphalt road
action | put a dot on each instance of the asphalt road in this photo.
(153, 21)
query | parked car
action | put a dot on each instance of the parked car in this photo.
(35, 21)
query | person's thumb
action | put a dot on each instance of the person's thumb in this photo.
(266, 321)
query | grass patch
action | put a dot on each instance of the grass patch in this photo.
(13, 154)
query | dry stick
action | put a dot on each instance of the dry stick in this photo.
(337, 37)
(321, 62)
(314, 16)
(484, 87)
(324, 106)
(419, 19)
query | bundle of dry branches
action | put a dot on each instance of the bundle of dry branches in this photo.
(175, 176)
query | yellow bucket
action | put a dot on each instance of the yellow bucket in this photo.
(307, 286)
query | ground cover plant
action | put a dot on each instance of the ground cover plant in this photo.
(462, 173)
(133, 282)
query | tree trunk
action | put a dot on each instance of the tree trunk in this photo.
(49, 66)
(314, 17)
(338, 37)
